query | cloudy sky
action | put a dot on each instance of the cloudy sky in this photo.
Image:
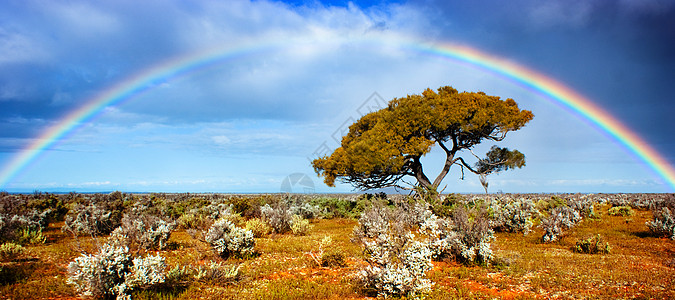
(295, 72)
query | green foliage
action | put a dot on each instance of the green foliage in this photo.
(500, 159)
(247, 206)
(384, 146)
(258, 227)
(551, 203)
(333, 259)
(54, 205)
(592, 245)
(10, 251)
(218, 273)
(624, 211)
(340, 208)
(31, 235)
(300, 226)
(445, 206)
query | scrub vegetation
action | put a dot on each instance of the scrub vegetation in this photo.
(346, 246)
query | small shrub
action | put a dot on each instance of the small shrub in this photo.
(624, 211)
(22, 228)
(306, 211)
(91, 220)
(584, 205)
(146, 272)
(178, 276)
(663, 223)
(333, 259)
(397, 261)
(217, 273)
(299, 226)
(279, 217)
(465, 238)
(398, 275)
(114, 273)
(31, 235)
(193, 221)
(560, 219)
(246, 206)
(592, 245)
(10, 251)
(144, 231)
(228, 239)
(327, 256)
(514, 216)
(258, 227)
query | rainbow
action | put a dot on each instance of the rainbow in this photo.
(170, 69)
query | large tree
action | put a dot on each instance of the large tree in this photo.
(385, 146)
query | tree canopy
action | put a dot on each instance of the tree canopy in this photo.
(385, 146)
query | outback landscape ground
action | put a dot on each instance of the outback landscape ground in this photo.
(321, 247)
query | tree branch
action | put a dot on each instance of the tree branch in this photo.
(467, 165)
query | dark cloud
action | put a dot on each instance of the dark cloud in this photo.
(620, 54)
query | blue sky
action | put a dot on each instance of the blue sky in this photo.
(245, 124)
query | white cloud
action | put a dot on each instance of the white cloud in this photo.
(81, 19)
(16, 47)
(221, 140)
(545, 14)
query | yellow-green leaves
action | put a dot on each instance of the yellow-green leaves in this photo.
(385, 145)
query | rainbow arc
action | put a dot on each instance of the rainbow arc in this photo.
(535, 81)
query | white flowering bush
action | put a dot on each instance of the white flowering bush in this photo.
(113, 272)
(306, 210)
(513, 215)
(663, 223)
(398, 259)
(227, 239)
(560, 219)
(584, 205)
(146, 272)
(279, 217)
(144, 231)
(398, 275)
(91, 220)
(466, 239)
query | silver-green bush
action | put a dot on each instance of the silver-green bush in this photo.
(398, 255)
(227, 239)
(663, 223)
(513, 215)
(113, 272)
(144, 231)
(278, 217)
(560, 219)
(91, 220)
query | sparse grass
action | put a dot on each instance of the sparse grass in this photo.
(638, 266)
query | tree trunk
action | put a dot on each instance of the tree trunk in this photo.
(422, 179)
